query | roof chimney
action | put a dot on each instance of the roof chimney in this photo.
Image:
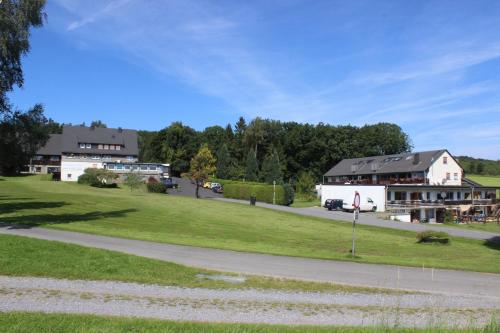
(120, 129)
(416, 158)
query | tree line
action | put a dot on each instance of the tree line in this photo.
(270, 150)
(479, 166)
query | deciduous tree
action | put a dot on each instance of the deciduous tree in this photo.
(202, 166)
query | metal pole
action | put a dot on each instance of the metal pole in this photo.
(274, 192)
(353, 251)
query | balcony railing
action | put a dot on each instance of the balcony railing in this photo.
(46, 162)
(381, 181)
(436, 203)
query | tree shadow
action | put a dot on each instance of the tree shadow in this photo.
(30, 221)
(10, 207)
(493, 243)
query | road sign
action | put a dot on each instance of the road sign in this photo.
(357, 200)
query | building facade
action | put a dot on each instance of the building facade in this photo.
(417, 187)
(67, 155)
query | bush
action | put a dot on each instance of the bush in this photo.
(431, 236)
(98, 178)
(157, 188)
(263, 192)
(448, 217)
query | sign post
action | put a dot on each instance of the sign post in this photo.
(355, 204)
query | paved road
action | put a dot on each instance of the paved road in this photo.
(384, 276)
(371, 219)
(187, 189)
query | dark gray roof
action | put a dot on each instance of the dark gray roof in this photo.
(397, 163)
(74, 135)
(52, 147)
(69, 141)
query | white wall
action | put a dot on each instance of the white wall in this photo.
(75, 169)
(346, 192)
(438, 170)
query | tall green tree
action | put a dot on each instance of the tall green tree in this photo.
(17, 17)
(252, 167)
(271, 168)
(21, 135)
(224, 163)
(214, 137)
(202, 166)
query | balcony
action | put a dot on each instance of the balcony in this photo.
(46, 162)
(390, 181)
(440, 203)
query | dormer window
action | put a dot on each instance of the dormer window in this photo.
(88, 146)
(118, 147)
(106, 147)
(82, 145)
(112, 147)
(99, 146)
(445, 159)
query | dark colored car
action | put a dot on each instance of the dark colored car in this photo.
(218, 189)
(169, 182)
(333, 204)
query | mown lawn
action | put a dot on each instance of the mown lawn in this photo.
(209, 223)
(486, 181)
(63, 323)
(23, 256)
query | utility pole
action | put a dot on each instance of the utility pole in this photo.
(274, 192)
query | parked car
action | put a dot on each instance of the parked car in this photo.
(212, 185)
(366, 205)
(169, 182)
(218, 189)
(207, 184)
(333, 204)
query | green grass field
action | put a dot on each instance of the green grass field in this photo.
(63, 323)
(209, 223)
(23, 256)
(486, 181)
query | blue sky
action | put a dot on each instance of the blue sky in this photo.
(433, 67)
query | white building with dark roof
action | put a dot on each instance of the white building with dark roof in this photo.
(419, 186)
(67, 155)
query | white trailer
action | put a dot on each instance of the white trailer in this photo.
(346, 192)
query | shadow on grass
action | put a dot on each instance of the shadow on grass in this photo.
(493, 243)
(30, 221)
(10, 207)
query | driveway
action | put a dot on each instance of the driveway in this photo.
(188, 189)
(372, 219)
(381, 276)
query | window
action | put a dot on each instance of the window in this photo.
(118, 147)
(54, 158)
(96, 157)
(130, 158)
(112, 147)
(144, 167)
(71, 156)
(119, 167)
(69, 176)
(448, 177)
(88, 146)
(459, 195)
(455, 176)
(445, 159)
(106, 147)
(127, 166)
(152, 167)
(38, 158)
(99, 146)
(82, 145)
(111, 166)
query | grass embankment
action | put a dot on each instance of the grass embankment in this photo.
(209, 223)
(62, 323)
(486, 181)
(305, 202)
(23, 256)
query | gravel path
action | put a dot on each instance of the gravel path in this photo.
(371, 219)
(249, 305)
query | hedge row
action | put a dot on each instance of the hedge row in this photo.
(262, 192)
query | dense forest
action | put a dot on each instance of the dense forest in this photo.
(265, 149)
(479, 166)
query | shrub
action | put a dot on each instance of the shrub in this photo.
(263, 192)
(448, 217)
(431, 236)
(157, 188)
(98, 178)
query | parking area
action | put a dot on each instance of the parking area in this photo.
(188, 189)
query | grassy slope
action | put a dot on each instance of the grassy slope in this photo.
(486, 181)
(161, 218)
(62, 323)
(23, 256)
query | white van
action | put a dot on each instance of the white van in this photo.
(366, 205)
